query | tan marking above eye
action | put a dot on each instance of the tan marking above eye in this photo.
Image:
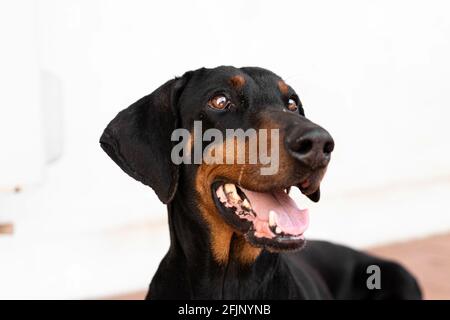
(283, 87)
(219, 102)
(237, 81)
(292, 105)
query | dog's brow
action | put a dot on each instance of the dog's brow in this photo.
(284, 88)
(237, 81)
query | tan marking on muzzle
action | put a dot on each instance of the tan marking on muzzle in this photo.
(221, 234)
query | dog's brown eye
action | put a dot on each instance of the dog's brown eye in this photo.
(219, 102)
(292, 105)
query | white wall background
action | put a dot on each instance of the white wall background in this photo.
(375, 74)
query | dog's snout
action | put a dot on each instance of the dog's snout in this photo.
(312, 148)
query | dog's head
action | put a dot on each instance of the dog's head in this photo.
(239, 139)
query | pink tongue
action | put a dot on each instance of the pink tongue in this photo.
(288, 216)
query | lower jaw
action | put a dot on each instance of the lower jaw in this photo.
(276, 244)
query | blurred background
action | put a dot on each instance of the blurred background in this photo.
(375, 74)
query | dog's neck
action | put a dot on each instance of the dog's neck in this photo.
(193, 264)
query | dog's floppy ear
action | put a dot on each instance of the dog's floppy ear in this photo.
(138, 139)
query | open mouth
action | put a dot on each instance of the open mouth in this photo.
(268, 219)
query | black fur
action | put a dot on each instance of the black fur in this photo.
(138, 140)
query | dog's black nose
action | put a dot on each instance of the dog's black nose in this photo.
(312, 148)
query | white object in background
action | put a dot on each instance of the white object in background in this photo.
(52, 106)
(21, 139)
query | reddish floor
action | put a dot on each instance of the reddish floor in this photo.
(428, 259)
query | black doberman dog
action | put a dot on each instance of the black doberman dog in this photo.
(235, 232)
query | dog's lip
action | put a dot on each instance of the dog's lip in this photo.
(311, 184)
(308, 189)
(287, 187)
(305, 186)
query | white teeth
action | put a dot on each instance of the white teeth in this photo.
(272, 220)
(231, 193)
(273, 223)
(229, 187)
(246, 205)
